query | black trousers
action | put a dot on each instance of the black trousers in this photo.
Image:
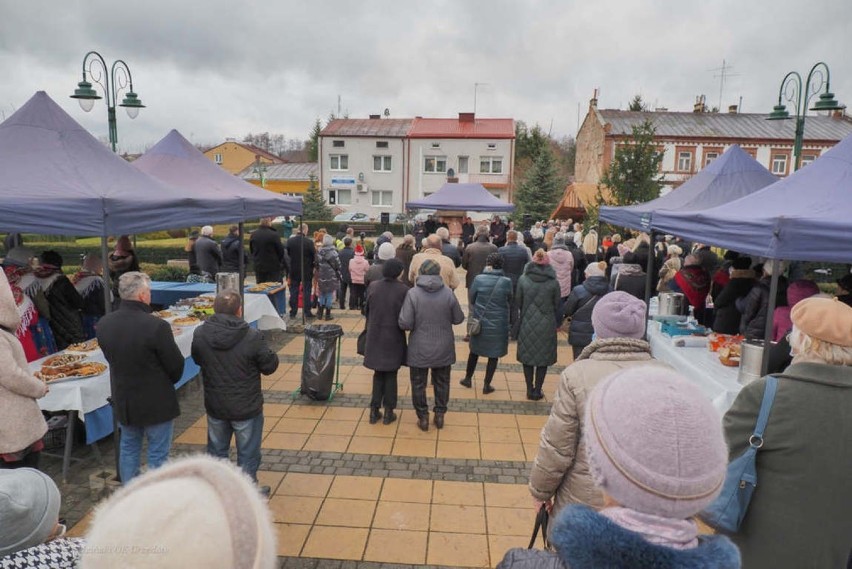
(490, 368)
(30, 460)
(342, 295)
(357, 296)
(384, 389)
(514, 319)
(294, 296)
(577, 350)
(538, 371)
(440, 385)
(268, 276)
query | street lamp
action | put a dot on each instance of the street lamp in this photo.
(259, 170)
(791, 90)
(114, 81)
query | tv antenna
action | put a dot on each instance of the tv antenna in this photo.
(723, 74)
(387, 113)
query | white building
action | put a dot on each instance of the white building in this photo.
(376, 165)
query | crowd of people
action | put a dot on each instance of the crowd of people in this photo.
(630, 455)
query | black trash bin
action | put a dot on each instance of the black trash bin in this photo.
(320, 360)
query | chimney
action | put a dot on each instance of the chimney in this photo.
(732, 109)
(375, 116)
(699, 104)
(661, 110)
(466, 117)
(593, 102)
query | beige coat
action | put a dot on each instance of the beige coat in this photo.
(448, 268)
(561, 468)
(21, 421)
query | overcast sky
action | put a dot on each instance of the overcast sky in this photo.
(214, 69)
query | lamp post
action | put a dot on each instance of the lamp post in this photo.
(791, 90)
(259, 170)
(113, 80)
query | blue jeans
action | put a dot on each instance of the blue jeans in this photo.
(248, 434)
(130, 457)
(326, 299)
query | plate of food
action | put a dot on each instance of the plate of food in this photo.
(164, 314)
(186, 321)
(257, 288)
(87, 346)
(76, 370)
(60, 360)
(730, 355)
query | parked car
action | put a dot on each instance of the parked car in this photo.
(352, 216)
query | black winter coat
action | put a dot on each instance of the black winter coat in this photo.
(267, 251)
(66, 320)
(579, 307)
(580, 264)
(727, 316)
(297, 246)
(385, 347)
(756, 304)
(345, 255)
(538, 297)
(209, 255)
(515, 258)
(144, 364)
(232, 355)
(640, 257)
(231, 254)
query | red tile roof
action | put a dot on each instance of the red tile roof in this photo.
(455, 128)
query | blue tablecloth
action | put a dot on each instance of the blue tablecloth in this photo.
(167, 294)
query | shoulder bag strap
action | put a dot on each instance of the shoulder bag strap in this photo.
(756, 439)
(541, 520)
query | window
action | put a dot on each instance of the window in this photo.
(492, 146)
(338, 143)
(779, 164)
(382, 198)
(435, 164)
(709, 157)
(381, 163)
(339, 162)
(436, 145)
(807, 159)
(463, 164)
(684, 161)
(491, 165)
(217, 158)
(381, 144)
(344, 197)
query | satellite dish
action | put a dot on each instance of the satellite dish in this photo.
(387, 112)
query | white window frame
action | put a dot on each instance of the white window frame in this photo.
(340, 158)
(344, 197)
(338, 143)
(779, 160)
(385, 163)
(381, 194)
(382, 144)
(681, 156)
(491, 160)
(217, 158)
(436, 160)
(709, 157)
(466, 164)
(807, 159)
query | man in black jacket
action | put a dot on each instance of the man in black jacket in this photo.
(515, 258)
(231, 251)
(232, 356)
(344, 256)
(302, 255)
(144, 365)
(208, 254)
(268, 253)
(447, 248)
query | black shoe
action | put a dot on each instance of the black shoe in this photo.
(375, 415)
(328, 313)
(292, 314)
(466, 338)
(390, 417)
(309, 315)
(537, 395)
(264, 491)
(423, 423)
(439, 420)
(486, 389)
(467, 382)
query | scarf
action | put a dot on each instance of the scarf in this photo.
(47, 275)
(668, 532)
(25, 307)
(85, 282)
(615, 349)
(694, 283)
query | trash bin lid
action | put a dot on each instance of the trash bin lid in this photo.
(324, 331)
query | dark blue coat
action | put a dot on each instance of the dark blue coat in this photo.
(491, 297)
(579, 306)
(515, 258)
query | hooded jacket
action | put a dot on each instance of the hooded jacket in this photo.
(538, 300)
(231, 254)
(358, 268)
(727, 316)
(562, 261)
(579, 307)
(232, 355)
(328, 269)
(21, 421)
(430, 311)
(585, 539)
(796, 292)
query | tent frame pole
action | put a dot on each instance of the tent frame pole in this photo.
(770, 314)
(116, 431)
(242, 260)
(305, 298)
(649, 278)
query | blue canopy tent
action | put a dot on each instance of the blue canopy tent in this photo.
(175, 161)
(804, 217)
(733, 175)
(462, 197)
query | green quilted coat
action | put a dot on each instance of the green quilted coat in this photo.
(538, 299)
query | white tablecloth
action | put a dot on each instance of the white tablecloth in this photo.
(87, 394)
(698, 364)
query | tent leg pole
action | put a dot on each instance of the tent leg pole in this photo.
(649, 277)
(107, 280)
(116, 432)
(305, 298)
(770, 313)
(242, 263)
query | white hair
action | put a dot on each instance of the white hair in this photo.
(132, 284)
(328, 239)
(767, 267)
(443, 233)
(207, 230)
(802, 344)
